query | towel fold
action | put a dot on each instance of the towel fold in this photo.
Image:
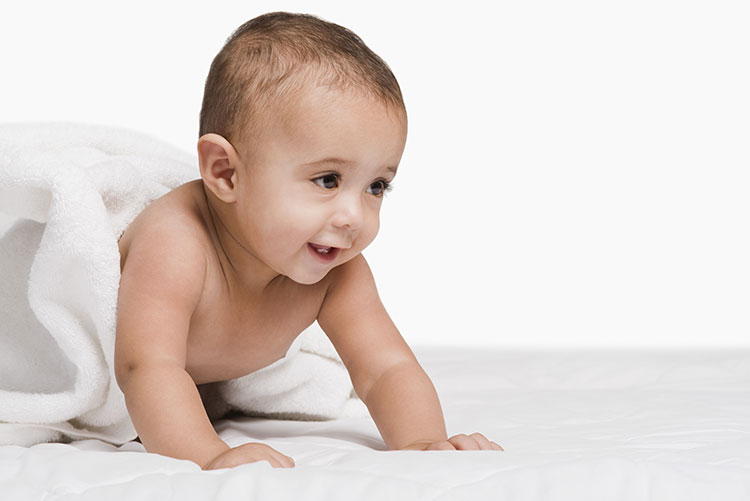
(72, 190)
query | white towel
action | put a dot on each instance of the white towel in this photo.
(309, 384)
(73, 189)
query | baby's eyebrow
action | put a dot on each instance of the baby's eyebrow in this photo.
(329, 160)
(341, 162)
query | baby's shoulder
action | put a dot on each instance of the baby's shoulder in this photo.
(172, 221)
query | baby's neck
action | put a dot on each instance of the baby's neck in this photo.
(241, 269)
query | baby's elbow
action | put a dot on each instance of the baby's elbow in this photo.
(148, 368)
(123, 372)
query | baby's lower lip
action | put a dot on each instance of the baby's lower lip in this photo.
(322, 256)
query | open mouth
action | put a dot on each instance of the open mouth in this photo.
(323, 253)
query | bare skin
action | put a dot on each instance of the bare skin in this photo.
(220, 275)
(230, 336)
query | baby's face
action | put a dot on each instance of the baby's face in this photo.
(317, 180)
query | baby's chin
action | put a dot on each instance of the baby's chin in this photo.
(309, 278)
(306, 278)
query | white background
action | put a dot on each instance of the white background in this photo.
(576, 174)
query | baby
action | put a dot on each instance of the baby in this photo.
(301, 133)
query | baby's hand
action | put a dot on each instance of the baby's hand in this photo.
(250, 453)
(473, 442)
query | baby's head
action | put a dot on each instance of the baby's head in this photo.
(270, 59)
(301, 131)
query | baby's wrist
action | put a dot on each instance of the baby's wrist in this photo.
(418, 445)
(212, 454)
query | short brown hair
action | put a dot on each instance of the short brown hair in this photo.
(270, 56)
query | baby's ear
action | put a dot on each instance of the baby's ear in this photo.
(217, 160)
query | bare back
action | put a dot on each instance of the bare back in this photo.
(231, 333)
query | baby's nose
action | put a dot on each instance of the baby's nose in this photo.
(349, 213)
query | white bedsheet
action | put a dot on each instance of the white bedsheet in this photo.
(598, 425)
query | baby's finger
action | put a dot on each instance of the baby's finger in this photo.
(282, 460)
(482, 441)
(441, 446)
(464, 443)
(272, 461)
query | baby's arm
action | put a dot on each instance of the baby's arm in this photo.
(386, 375)
(160, 287)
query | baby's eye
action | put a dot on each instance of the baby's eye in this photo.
(380, 187)
(329, 181)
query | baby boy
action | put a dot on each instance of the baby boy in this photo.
(301, 133)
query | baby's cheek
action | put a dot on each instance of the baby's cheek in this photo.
(366, 237)
(375, 227)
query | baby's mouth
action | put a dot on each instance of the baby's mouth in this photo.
(323, 253)
(321, 248)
